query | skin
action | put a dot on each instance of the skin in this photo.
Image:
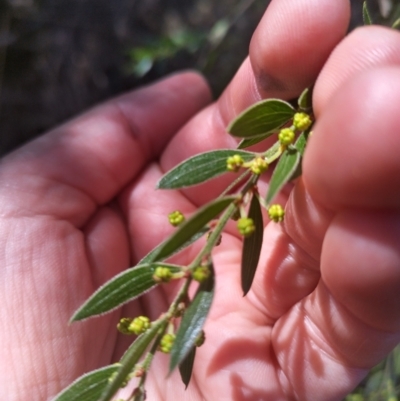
(78, 206)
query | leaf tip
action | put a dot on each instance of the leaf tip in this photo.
(159, 184)
(366, 14)
(76, 317)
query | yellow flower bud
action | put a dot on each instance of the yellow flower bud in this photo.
(162, 274)
(139, 325)
(286, 136)
(276, 213)
(259, 165)
(176, 218)
(123, 325)
(166, 343)
(302, 121)
(201, 273)
(233, 163)
(246, 226)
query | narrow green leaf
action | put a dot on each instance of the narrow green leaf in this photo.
(288, 166)
(366, 15)
(273, 152)
(284, 170)
(193, 225)
(262, 118)
(186, 366)
(150, 257)
(305, 99)
(396, 24)
(88, 387)
(200, 168)
(192, 322)
(122, 288)
(247, 142)
(302, 142)
(252, 246)
(129, 360)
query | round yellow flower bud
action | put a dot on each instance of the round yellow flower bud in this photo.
(139, 325)
(123, 325)
(233, 163)
(201, 273)
(162, 274)
(246, 226)
(302, 121)
(276, 213)
(286, 136)
(176, 218)
(259, 165)
(166, 343)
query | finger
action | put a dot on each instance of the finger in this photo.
(364, 48)
(351, 161)
(352, 320)
(86, 162)
(360, 277)
(289, 265)
(293, 41)
(352, 158)
(322, 25)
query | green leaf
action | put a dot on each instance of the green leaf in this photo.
(262, 118)
(305, 99)
(186, 366)
(150, 257)
(122, 288)
(273, 152)
(129, 360)
(366, 15)
(302, 142)
(193, 225)
(247, 142)
(192, 322)
(301, 147)
(396, 24)
(284, 171)
(200, 168)
(252, 246)
(288, 166)
(88, 387)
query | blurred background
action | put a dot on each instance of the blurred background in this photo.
(59, 57)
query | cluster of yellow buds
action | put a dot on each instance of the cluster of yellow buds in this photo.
(163, 274)
(123, 325)
(176, 218)
(136, 326)
(201, 273)
(259, 165)
(302, 121)
(286, 136)
(276, 213)
(233, 163)
(246, 226)
(139, 325)
(166, 343)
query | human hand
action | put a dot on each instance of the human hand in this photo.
(78, 206)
